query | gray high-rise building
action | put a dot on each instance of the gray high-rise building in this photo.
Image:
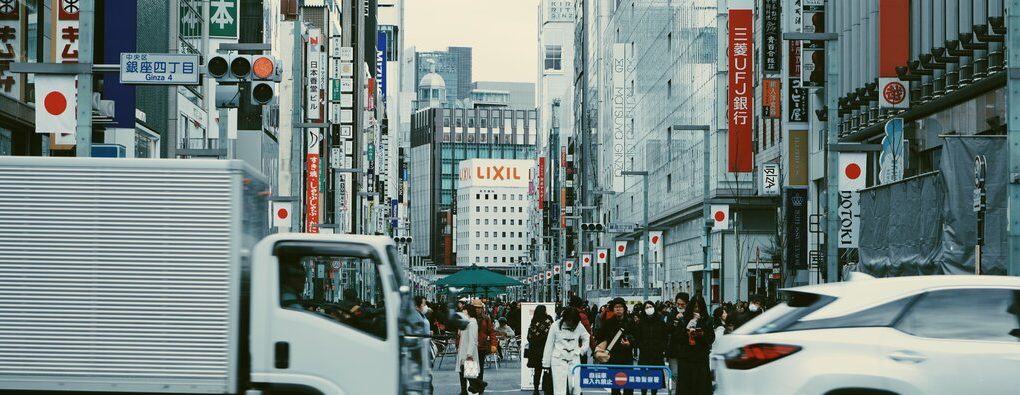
(454, 65)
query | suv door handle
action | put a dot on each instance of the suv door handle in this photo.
(907, 357)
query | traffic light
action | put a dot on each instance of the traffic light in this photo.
(593, 227)
(265, 71)
(402, 239)
(229, 68)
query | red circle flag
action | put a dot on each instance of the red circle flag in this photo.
(720, 216)
(620, 248)
(282, 213)
(602, 255)
(55, 103)
(587, 259)
(655, 239)
(853, 171)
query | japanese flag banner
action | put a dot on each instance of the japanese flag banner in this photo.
(55, 110)
(621, 248)
(655, 242)
(602, 255)
(720, 216)
(282, 214)
(585, 260)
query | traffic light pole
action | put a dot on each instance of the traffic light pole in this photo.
(1013, 135)
(86, 45)
(297, 135)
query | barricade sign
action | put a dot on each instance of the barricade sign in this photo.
(636, 377)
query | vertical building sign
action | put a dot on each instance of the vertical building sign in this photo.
(893, 50)
(223, 19)
(812, 73)
(312, 220)
(796, 94)
(741, 92)
(619, 114)
(380, 64)
(10, 47)
(313, 75)
(66, 32)
(771, 39)
(852, 172)
(771, 97)
(769, 185)
(541, 183)
(798, 160)
(795, 208)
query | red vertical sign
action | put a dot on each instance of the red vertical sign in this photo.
(541, 183)
(894, 29)
(312, 193)
(741, 92)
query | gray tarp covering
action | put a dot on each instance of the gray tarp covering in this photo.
(927, 225)
(901, 224)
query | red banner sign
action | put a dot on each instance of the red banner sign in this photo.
(741, 92)
(541, 183)
(312, 193)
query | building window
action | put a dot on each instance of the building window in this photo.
(504, 222)
(520, 222)
(669, 183)
(486, 209)
(486, 234)
(504, 234)
(504, 209)
(478, 209)
(478, 221)
(669, 89)
(478, 196)
(553, 57)
(486, 221)
(478, 247)
(478, 259)
(478, 234)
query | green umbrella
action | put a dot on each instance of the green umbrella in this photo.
(476, 277)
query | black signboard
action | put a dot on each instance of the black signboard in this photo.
(771, 39)
(795, 206)
(798, 98)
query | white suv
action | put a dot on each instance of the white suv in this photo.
(907, 335)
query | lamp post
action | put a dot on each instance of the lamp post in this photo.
(832, 59)
(644, 243)
(706, 190)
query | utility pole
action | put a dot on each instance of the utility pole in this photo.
(86, 51)
(645, 285)
(1013, 134)
(706, 215)
(297, 135)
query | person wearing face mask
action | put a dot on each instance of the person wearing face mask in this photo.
(676, 346)
(754, 309)
(651, 338)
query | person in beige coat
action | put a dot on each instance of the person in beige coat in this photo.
(567, 341)
(467, 346)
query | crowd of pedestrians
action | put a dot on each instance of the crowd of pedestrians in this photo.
(677, 333)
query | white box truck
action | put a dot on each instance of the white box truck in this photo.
(157, 276)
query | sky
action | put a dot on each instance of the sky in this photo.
(502, 33)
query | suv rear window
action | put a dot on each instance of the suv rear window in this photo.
(881, 315)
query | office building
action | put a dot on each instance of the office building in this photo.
(453, 64)
(521, 94)
(494, 204)
(440, 139)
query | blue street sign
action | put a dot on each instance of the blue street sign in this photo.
(635, 377)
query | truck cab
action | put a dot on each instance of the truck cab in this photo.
(333, 315)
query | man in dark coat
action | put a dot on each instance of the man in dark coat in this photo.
(621, 353)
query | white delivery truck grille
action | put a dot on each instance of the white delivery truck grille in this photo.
(116, 275)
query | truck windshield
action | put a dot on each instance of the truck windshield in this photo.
(345, 289)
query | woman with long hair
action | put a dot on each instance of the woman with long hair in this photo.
(538, 332)
(700, 337)
(567, 341)
(467, 346)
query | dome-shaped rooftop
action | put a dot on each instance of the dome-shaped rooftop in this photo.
(432, 81)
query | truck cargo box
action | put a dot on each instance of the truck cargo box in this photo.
(125, 274)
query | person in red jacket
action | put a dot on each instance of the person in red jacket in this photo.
(487, 341)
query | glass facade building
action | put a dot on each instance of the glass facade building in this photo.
(454, 65)
(440, 140)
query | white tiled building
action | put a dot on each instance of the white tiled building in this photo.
(493, 209)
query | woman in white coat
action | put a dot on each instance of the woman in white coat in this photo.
(467, 346)
(567, 341)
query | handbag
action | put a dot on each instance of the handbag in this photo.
(601, 354)
(547, 382)
(471, 369)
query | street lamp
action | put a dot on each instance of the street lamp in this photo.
(644, 244)
(832, 136)
(706, 190)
